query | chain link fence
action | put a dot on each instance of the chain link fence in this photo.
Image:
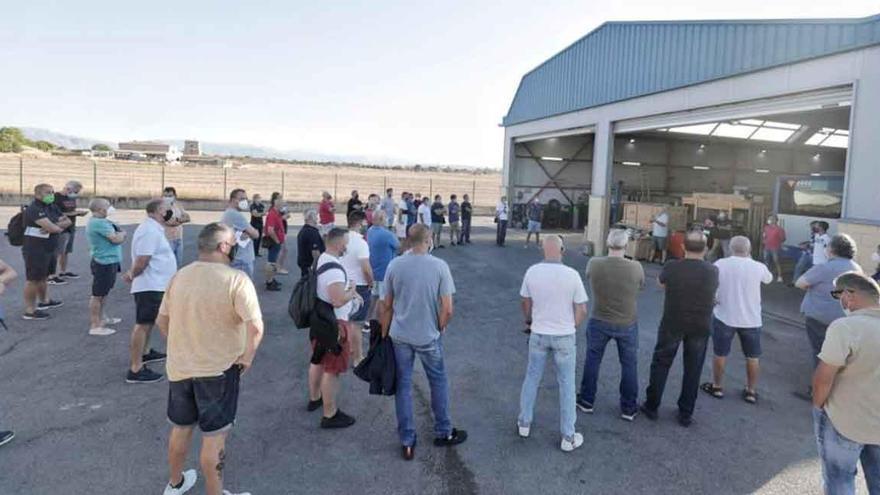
(297, 183)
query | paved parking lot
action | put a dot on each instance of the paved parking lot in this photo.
(81, 429)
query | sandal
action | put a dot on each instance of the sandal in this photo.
(749, 396)
(712, 390)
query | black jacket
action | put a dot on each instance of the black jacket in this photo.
(379, 368)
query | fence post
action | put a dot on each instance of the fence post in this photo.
(163, 176)
(430, 189)
(335, 184)
(20, 178)
(224, 183)
(474, 193)
(384, 183)
(282, 183)
(94, 178)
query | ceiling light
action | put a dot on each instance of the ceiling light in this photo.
(763, 152)
(762, 171)
(632, 141)
(633, 164)
(551, 158)
(702, 146)
(700, 167)
(816, 174)
(817, 156)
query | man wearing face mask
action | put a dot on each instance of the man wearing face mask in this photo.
(846, 388)
(875, 257)
(212, 320)
(245, 233)
(818, 307)
(176, 217)
(105, 239)
(43, 223)
(152, 265)
(65, 201)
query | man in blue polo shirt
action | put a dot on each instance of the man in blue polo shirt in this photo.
(383, 246)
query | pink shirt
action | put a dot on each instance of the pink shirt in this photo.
(325, 212)
(774, 236)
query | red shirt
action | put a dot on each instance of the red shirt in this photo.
(325, 212)
(274, 222)
(774, 236)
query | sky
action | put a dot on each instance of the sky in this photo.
(415, 81)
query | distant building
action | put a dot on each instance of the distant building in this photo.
(191, 148)
(147, 150)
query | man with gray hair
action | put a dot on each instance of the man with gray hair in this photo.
(152, 265)
(846, 388)
(65, 201)
(105, 239)
(212, 320)
(245, 233)
(738, 312)
(615, 283)
(554, 304)
(309, 243)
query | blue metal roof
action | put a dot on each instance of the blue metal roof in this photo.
(621, 60)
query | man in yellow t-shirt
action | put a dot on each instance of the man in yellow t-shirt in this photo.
(846, 388)
(211, 319)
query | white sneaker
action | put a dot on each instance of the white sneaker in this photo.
(524, 430)
(576, 441)
(779, 279)
(101, 331)
(189, 480)
(227, 492)
(111, 321)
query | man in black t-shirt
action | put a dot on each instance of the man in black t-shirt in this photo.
(43, 223)
(354, 204)
(65, 201)
(438, 218)
(309, 244)
(258, 211)
(467, 212)
(690, 286)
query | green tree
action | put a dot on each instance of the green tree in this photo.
(11, 140)
(44, 146)
(100, 147)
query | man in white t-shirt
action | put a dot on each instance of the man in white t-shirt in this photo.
(356, 262)
(659, 235)
(738, 311)
(402, 212)
(152, 265)
(554, 303)
(821, 240)
(501, 221)
(330, 356)
(424, 214)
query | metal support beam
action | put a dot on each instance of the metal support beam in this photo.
(553, 177)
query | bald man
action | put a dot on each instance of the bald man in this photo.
(554, 303)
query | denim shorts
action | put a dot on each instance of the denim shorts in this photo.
(274, 251)
(361, 314)
(211, 402)
(722, 337)
(534, 226)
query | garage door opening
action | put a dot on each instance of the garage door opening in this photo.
(789, 164)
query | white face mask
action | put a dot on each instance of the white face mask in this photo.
(845, 311)
(168, 199)
(875, 257)
(243, 205)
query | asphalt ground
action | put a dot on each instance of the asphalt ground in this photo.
(82, 430)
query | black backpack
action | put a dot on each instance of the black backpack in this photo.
(15, 229)
(305, 293)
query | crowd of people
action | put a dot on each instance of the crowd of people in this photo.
(376, 276)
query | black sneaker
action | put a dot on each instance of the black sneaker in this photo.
(273, 286)
(649, 413)
(56, 281)
(454, 438)
(584, 406)
(6, 437)
(36, 315)
(685, 420)
(69, 275)
(315, 404)
(339, 420)
(145, 375)
(50, 304)
(153, 356)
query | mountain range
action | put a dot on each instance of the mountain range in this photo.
(222, 149)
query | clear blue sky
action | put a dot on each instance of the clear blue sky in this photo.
(421, 81)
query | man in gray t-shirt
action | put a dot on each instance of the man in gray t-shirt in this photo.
(388, 205)
(245, 234)
(418, 292)
(615, 283)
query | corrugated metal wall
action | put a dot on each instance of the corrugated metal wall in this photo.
(624, 60)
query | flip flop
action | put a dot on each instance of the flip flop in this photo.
(712, 390)
(749, 396)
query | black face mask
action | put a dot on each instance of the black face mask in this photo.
(232, 251)
(168, 215)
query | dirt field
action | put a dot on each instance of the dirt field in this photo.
(297, 182)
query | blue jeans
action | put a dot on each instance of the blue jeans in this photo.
(177, 247)
(564, 357)
(627, 338)
(431, 356)
(243, 266)
(804, 263)
(840, 457)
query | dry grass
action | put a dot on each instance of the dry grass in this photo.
(297, 182)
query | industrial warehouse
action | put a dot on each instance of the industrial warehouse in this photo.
(746, 117)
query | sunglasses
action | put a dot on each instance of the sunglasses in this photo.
(837, 292)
